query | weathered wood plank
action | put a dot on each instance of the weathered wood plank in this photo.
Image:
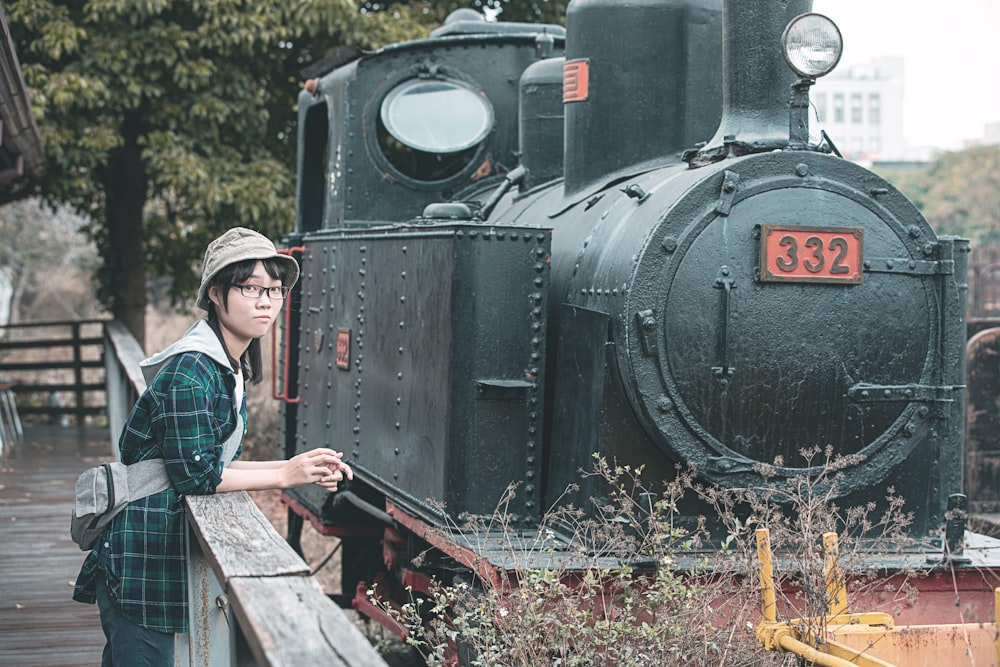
(40, 624)
(238, 539)
(128, 353)
(283, 613)
(289, 621)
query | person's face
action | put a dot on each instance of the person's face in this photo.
(247, 317)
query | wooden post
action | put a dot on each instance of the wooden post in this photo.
(78, 372)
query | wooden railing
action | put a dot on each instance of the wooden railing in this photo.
(59, 359)
(123, 380)
(251, 597)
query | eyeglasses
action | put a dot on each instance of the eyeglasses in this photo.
(254, 291)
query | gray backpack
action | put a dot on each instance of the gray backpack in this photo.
(103, 491)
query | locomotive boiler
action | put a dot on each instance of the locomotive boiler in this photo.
(523, 246)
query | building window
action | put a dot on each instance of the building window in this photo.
(820, 100)
(874, 109)
(838, 108)
(856, 108)
(874, 144)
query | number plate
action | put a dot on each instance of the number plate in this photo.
(343, 351)
(811, 254)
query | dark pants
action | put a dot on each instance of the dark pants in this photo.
(130, 645)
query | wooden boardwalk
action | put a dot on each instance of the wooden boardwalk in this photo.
(40, 624)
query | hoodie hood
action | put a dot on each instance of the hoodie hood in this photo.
(199, 338)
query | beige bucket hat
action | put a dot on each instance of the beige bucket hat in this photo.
(236, 245)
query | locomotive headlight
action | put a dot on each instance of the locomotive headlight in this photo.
(812, 45)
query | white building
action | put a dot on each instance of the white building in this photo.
(861, 109)
(991, 136)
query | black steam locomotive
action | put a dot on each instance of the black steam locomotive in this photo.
(523, 245)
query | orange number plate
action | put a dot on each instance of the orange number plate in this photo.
(811, 254)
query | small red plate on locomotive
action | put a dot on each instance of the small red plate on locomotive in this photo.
(811, 254)
(343, 351)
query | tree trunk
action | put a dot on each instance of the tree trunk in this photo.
(125, 184)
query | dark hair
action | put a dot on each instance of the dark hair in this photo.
(238, 273)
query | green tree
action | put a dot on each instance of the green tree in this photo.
(167, 121)
(958, 192)
(528, 11)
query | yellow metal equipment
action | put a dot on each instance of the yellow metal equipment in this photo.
(842, 639)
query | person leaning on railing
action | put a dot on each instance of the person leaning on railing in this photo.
(191, 416)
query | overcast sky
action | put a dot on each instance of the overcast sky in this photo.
(951, 53)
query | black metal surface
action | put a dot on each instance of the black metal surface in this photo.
(437, 398)
(654, 85)
(660, 341)
(757, 82)
(345, 176)
(540, 114)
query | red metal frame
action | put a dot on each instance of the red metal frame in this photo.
(434, 537)
(327, 529)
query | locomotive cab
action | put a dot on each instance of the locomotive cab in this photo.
(382, 135)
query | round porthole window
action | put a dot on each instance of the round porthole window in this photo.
(430, 129)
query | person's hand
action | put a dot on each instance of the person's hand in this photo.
(337, 473)
(320, 466)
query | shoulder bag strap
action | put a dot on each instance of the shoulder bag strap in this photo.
(150, 476)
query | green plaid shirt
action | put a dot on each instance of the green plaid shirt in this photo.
(184, 417)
